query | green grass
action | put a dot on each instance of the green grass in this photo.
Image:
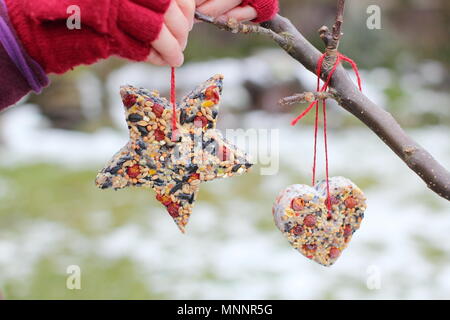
(101, 279)
(69, 200)
(68, 197)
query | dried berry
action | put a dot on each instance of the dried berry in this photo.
(159, 135)
(348, 230)
(129, 100)
(333, 200)
(297, 230)
(194, 176)
(297, 204)
(164, 199)
(200, 121)
(211, 94)
(334, 253)
(158, 110)
(350, 202)
(310, 220)
(223, 153)
(173, 209)
(134, 171)
(310, 247)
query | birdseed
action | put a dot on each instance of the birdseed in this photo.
(301, 214)
(174, 169)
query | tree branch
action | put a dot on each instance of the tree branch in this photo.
(305, 97)
(233, 26)
(382, 123)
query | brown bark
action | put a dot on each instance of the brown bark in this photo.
(344, 91)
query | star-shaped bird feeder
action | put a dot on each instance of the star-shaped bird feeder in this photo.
(173, 165)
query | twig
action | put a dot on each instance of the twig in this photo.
(305, 97)
(332, 38)
(382, 123)
(338, 23)
(233, 26)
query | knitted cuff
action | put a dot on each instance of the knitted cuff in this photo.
(266, 9)
(31, 71)
(109, 27)
(95, 14)
(159, 6)
(142, 24)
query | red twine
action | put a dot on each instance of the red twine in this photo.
(173, 101)
(340, 57)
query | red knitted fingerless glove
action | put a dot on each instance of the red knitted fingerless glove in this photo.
(266, 9)
(108, 27)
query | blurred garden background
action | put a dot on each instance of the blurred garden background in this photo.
(52, 145)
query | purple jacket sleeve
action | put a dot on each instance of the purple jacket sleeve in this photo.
(19, 74)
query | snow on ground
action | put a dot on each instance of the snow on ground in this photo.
(249, 263)
(223, 240)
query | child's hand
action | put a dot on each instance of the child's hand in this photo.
(172, 40)
(125, 28)
(241, 10)
(226, 8)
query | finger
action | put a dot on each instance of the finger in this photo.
(168, 48)
(188, 9)
(177, 24)
(156, 6)
(241, 14)
(215, 8)
(155, 58)
(200, 2)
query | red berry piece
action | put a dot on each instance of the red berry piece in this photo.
(134, 171)
(310, 220)
(129, 100)
(194, 176)
(223, 153)
(310, 247)
(164, 199)
(159, 135)
(297, 230)
(200, 121)
(212, 94)
(348, 230)
(350, 202)
(158, 110)
(333, 200)
(173, 210)
(297, 204)
(334, 253)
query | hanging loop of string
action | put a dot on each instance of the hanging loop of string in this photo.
(340, 57)
(173, 102)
